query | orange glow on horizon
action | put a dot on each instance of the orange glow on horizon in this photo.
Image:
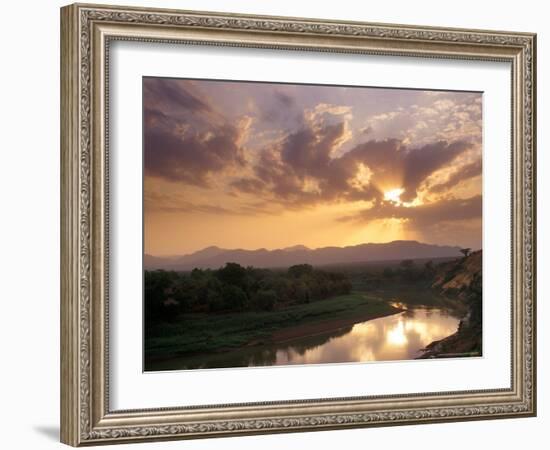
(245, 165)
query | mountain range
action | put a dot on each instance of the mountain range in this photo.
(214, 257)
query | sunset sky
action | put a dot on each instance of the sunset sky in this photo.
(261, 165)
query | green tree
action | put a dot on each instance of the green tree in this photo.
(234, 298)
(157, 291)
(265, 300)
(197, 274)
(215, 301)
(300, 270)
(407, 270)
(232, 273)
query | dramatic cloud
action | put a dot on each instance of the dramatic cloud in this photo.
(422, 162)
(193, 157)
(184, 140)
(463, 173)
(359, 155)
(424, 215)
(302, 170)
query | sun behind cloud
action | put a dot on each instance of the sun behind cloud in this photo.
(252, 165)
(394, 195)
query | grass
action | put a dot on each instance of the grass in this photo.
(207, 332)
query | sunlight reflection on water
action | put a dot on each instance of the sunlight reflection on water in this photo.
(395, 337)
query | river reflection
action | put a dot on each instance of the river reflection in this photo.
(397, 337)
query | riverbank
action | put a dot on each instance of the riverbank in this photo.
(462, 281)
(464, 343)
(327, 326)
(196, 333)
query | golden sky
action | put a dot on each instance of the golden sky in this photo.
(267, 165)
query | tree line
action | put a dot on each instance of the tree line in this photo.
(409, 271)
(234, 288)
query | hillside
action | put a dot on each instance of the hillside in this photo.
(215, 257)
(455, 277)
(461, 280)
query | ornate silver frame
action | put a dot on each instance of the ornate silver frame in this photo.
(86, 31)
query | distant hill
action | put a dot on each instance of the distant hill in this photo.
(215, 257)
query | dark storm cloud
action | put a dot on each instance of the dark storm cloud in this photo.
(184, 140)
(464, 173)
(424, 215)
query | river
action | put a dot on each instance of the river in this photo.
(399, 336)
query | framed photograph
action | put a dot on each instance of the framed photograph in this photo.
(275, 224)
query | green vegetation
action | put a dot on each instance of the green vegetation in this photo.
(192, 333)
(405, 275)
(209, 310)
(188, 314)
(234, 288)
